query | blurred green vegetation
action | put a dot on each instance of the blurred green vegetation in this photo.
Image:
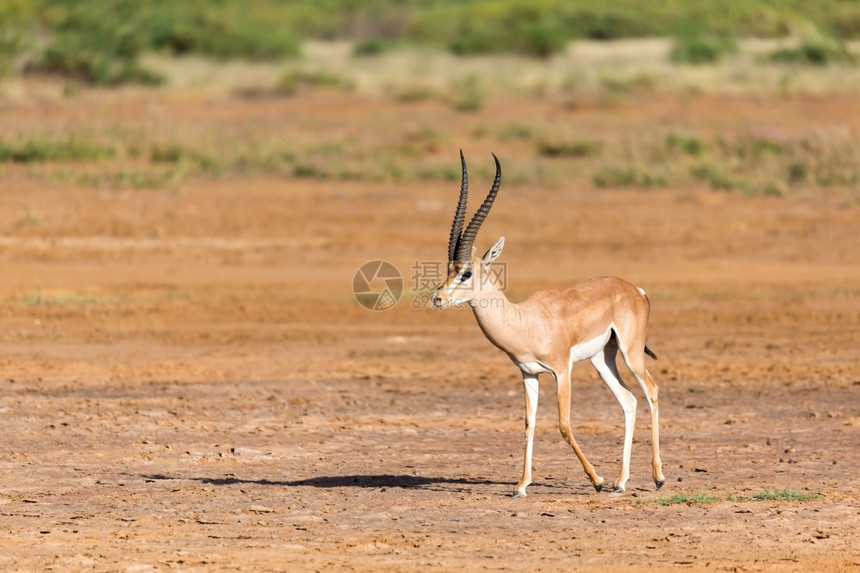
(100, 42)
(698, 50)
(814, 53)
(15, 15)
(754, 164)
(36, 150)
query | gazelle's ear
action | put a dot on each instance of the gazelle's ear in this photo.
(493, 253)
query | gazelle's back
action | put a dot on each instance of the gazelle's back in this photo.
(587, 307)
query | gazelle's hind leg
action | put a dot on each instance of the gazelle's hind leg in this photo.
(604, 363)
(563, 384)
(635, 360)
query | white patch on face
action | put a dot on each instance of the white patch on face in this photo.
(589, 348)
(459, 280)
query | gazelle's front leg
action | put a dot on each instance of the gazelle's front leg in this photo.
(531, 390)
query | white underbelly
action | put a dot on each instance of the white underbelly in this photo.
(589, 348)
(534, 368)
(580, 351)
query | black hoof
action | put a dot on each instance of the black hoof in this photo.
(660, 483)
(618, 489)
(598, 486)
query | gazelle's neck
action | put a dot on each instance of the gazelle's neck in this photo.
(499, 319)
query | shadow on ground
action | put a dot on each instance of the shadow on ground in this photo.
(359, 481)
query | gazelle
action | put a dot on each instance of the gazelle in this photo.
(553, 329)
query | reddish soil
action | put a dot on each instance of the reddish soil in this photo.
(187, 382)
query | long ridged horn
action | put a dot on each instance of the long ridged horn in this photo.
(463, 253)
(460, 214)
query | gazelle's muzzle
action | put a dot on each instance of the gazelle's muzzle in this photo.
(440, 301)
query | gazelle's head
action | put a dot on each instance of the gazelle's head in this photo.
(469, 277)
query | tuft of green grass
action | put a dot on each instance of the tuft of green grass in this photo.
(700, 50)
(755, 146)
(177, 154)
(641, 82)
(687, 145)
(686, 498)
(828, 175)
(561, 148)
(41, 150)
(714, 177)
(785, 495)
(303, 171)
(515, 131)
(774, 189)
(61, 299)
(776, 495)
(419, 142)
(703, 498)
(627, 177)
(133, 179)
(170, 153)
(797, 172)
(416, 94)
(439, 173)
(377, 46)
(814, 53)
(290, 83)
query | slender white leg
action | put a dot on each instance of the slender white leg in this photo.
(637, 367)
(604, 363)
(530, 383)
(650, 389)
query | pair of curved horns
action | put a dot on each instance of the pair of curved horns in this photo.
(460, 244)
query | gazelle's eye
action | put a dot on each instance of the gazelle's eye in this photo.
(466, 275)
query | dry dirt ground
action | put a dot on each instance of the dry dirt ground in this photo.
(188, 383)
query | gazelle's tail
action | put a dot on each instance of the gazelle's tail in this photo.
(650, 353)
